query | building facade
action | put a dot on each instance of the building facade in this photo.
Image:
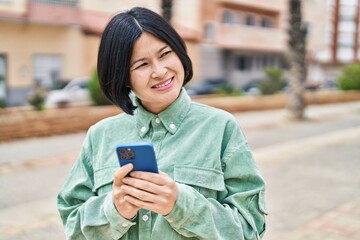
(241, 38)
(333, 38)
(43, 42)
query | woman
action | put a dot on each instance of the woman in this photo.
(208, 187)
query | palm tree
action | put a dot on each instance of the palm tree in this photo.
(297, 61)
(166, 6)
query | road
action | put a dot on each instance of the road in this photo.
(311, 169)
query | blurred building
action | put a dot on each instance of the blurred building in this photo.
(341, 37)
(43, 42)
(241, 37)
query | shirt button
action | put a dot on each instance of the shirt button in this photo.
(172, 126)
(143, 129)
(145, 218)
(157, 120)
(125, 224)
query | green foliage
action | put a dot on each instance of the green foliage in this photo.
(96, 93)
(3, 103)
(228, 89)
(350, 77)
(273, 82)
(37, 98)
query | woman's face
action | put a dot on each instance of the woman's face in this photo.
(156, 73)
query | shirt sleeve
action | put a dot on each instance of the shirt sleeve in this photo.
(84, 214)
(238, 212)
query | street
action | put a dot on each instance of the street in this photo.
(311, 169)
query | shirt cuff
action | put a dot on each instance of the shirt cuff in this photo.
(117, 222)
(184, 206)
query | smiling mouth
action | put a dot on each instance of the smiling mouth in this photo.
(163, 84)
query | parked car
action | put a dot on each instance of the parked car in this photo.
(205, 87)
(76, 92)
(252, 87)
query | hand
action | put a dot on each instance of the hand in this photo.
(151, 191)
(124, 208)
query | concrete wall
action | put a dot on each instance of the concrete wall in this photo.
(15, 122)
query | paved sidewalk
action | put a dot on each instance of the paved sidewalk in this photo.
(32, 160)
(342, 223)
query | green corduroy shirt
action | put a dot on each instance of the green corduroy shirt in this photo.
(220, 190)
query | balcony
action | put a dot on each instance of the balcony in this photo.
(69, 3)
(250, 38)
(56, 12)
(272, 6)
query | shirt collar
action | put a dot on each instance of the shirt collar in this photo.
(171, 117)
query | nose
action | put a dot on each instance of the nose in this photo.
(158, 71)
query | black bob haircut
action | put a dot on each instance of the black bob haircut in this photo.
(116, 48)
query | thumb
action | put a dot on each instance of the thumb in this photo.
(121, 173)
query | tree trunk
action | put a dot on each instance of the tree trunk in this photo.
(166, 6)
(297, 60)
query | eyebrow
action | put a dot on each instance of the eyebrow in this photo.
(142, 59)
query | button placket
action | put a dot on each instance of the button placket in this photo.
(145, 224)
(159, 132)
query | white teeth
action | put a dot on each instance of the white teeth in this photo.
(164, 84)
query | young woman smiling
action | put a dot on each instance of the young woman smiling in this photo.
(156, 73)
(208, 187)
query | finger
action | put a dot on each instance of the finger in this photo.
(158, 179)
(138, 203)
(121, 173)
(142, 185)
(155, 207)
(138, 194)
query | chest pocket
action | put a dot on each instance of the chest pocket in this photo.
(205, 180)
(103, 179)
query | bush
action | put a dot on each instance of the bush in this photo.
(273, 82)
(3, 103)
(96, 93)
(350, 77)
(228, 89)
(37, 98)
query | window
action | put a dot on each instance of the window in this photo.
(244, 63)
(347, 26)
(209, 31)
(306, 27)
(228, 17)
(345, 54)
(266, 22)
(250, 20)
(346, 39)
(2, 77)
(47, 69)
(265, 61)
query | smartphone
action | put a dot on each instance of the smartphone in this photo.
(141, 155)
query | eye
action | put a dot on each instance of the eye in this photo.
(140, 66)
(165, 53)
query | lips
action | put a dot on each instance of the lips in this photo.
(163, 84)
